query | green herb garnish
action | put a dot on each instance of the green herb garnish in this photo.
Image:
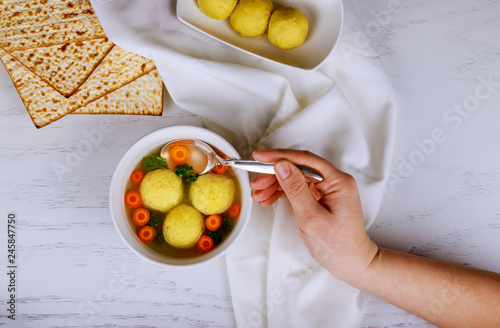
(224, 229)
(157, 223)
(154, 162)
(154, 220)
(186, 173)
(216, 236)
(226, 225)
(159, 238)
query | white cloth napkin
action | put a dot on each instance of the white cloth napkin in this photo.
(345, 111)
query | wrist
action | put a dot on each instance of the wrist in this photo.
(361, 270)
(367, 276)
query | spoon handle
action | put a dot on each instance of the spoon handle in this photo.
(267, 168)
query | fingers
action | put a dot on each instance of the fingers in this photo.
(266, 189)
(299, 187)
(315, 192)
(263, 194)
(273, 198)
(263, 181)
(295, 186)
(299, 157)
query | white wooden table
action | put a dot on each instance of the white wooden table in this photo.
(442, 200)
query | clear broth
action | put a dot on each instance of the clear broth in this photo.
(163, 247)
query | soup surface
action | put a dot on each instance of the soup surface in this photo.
(174, 188)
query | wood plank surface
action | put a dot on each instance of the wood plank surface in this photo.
(74, 270)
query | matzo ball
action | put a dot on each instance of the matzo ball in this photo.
(212, 193)
(288, 28)
(251, 17)
(161, 190)
(217, 9)
(183, 226)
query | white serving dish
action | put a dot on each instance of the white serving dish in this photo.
(325, 24)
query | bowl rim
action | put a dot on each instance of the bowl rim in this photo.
(132, 157)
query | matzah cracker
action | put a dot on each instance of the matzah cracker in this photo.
(143, 96)
(28, 24)
(44, 103)
(65, 67)
(118, 68)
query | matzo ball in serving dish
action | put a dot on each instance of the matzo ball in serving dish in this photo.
(217, 9)
(288, 28)
(251, 17)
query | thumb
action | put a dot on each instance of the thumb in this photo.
(297, 190)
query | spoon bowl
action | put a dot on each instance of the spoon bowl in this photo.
(201, 155)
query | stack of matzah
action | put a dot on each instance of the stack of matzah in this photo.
(61, 62)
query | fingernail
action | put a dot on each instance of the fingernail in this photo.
(283, 170)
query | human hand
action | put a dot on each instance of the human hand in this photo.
(329, 212)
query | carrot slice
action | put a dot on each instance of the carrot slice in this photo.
(147, 233)
(133, 199)
(235, 210)
(205, 244)
(213, 222)
(137, 176)
(179, 154)
(220, 169)
(140, 216)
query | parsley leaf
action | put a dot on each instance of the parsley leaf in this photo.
(226, 225)
(159, 238)
(154, 162)
(154, 220)
(224, 229)
(216, 236)
(186, 173)
(157, 223)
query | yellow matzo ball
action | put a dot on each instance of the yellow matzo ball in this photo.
(251, 17)
(161, 190)
(212, 193)
(217, 9)
(288, 28)
(183, 226)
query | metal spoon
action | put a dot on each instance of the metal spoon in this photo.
(205, 159)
